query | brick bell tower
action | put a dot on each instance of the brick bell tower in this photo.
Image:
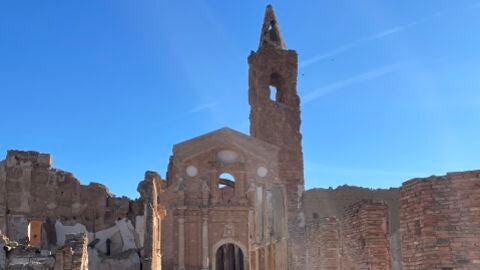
(275, 118)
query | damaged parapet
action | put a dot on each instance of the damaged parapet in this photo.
(28, 158)
(74, 254)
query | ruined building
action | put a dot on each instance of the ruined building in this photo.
(232, 201)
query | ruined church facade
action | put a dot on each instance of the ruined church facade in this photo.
(232, 201)
(234, 198)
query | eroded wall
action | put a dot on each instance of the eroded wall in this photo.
(364, 236)
(52, 204)
(440, 222)
(74, 254)
(356, 240)
(323, 245)
(321, 203)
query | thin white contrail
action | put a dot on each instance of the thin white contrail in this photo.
(366, 76)
(202, 107)
(376, 36)
(354, 44)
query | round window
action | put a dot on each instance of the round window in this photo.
(192, 171)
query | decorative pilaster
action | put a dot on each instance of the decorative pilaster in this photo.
(205, 257)
(181, 241)
(252, 262)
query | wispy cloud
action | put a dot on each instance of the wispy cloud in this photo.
(376, 36)
(354, 44)
(202, 107)
(367, 76)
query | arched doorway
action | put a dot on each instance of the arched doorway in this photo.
(229, 257)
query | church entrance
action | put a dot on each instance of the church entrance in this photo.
(229, 257)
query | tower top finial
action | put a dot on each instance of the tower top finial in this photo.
(271, 35)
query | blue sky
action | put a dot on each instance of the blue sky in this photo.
(390, 89)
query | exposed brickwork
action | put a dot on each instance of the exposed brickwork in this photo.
(73, 255)
(364, 236)
(321, 203)
(323, 244)
(440, 222)
(358, 240)
(43, 205)
(37, 191)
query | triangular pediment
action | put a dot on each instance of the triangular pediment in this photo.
(224, 138)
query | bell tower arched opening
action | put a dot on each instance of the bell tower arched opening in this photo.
(277, 88)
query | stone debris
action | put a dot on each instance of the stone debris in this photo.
(73, 255)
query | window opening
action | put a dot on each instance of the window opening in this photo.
(226, 180)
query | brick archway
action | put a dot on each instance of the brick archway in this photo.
(225, 242)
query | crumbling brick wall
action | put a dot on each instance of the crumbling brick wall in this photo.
(323, 244)
(364, 237)
(440, 222)
(322, 203)
(74, 254)
(31, 191)
(356, 240)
